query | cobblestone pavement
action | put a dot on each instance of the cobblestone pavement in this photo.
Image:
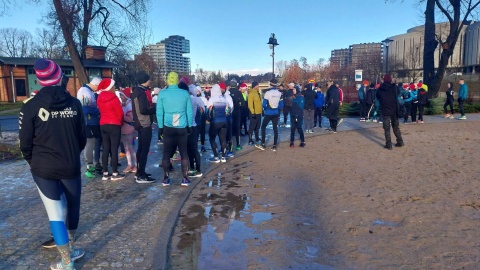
(123, 225)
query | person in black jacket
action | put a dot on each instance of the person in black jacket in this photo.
(387, 94)
(238, 103)
(142, 121)
(309, 110)
(449, 102)
(52, 134)
(332, 101)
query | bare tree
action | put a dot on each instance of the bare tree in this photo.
(48, 44)
(15, 42)
(97, 19)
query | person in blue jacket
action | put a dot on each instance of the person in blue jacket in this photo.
(362, 93)
(296, 118)
(175, 117)
(405, 99)
(462, 97)
(319, 103)
(414, 95)
(272, 104)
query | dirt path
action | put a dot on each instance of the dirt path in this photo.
(343, 202)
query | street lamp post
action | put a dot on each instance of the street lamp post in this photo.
(272, 42)
(386, 43)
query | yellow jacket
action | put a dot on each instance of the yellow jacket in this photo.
(254, 102)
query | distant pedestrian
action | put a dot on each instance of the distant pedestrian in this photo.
(387, 95)
(244, 109)
(88, 100)
(203, 119)
(287, 99)
(128, 133)
(319, 105)
(449, 102)
(142, 117)
(462, 97)
(111, 120)
(405, 98)
(422, 101)
(52, 134)
(370, 100)
(238, 103)
(309, 109)
(414, 94)
(175, 117)
(332, 101)
(255, 110)
(198, 108)
(272, 104)
(362, 92)
(296, 118)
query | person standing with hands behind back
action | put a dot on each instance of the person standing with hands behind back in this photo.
(387, 96)
(142, 121)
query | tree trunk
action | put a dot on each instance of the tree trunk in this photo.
(67, 30)
(430, 44)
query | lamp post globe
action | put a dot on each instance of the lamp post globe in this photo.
(272, 42)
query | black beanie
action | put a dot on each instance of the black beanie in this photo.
(142, 77)
(254, 84)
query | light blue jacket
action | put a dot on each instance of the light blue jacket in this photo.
(174, 108)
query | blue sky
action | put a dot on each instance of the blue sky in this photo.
(231, 35)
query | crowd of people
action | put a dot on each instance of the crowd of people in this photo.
(56, 127)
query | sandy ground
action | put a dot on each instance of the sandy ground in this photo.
(343, 202)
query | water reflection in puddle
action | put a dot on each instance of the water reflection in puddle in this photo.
(260, 217)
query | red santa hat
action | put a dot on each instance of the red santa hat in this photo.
(243, 86)
(106, 84)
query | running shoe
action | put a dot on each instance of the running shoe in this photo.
(77, 253)
(49, 244)
(166, 182)
(215, 160)
(61, 266)
(463, 117)
(89, 174)
(223, 159)
(302, 144)
(117, 176)
(274, 148)
(260, 146)
(105, 176)
(239, 147)
(185, 182)
(292, 145)
(144, 179)
(230, 154)
(251, 143)
(203, 149)
(194, 173)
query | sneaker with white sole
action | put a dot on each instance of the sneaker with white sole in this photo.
(77, 253)
(260, 146)
(61, 266)
(106, 176)
(144, 179)
(49, 244)
(463, 117)
(223, 159)
(274, 148)
(185, 182)
(215, 160)
(166, 182)
(117, 176)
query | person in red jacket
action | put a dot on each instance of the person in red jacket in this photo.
(111, 119)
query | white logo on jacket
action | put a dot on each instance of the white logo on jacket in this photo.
(43, 114)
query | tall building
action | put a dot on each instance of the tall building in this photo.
(365, 54)
(168, 54)
(340, 58)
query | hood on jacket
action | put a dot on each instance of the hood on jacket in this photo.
(55, 97)
(106, 96)
(192, 89)
(216, 91)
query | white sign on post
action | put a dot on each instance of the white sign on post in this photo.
(358, 75)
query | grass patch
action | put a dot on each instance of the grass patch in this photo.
(10, 108)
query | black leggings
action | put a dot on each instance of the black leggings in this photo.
(421, 108)
(201, 128)
(110, 140)
(413, 111)
(219, 129)
(51, 191)
(243, 122)
(237, 125)
(286, 110)
(266, 120)
(173, 138)
(450, 104)
(192, 148)
(296, 126)
(460, 107)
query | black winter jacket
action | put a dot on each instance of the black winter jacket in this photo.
(52, 133)
(309, 96)
(237, 98)
(387, 95)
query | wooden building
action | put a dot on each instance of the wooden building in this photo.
(18, 79)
